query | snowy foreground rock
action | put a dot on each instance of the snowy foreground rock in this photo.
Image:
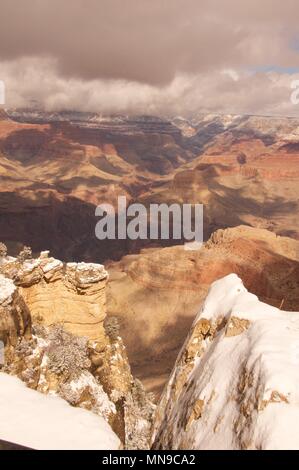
(235, 384)
(41, 422)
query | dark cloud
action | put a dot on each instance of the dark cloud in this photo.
(148, 55)
(148, 40)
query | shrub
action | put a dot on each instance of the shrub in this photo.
(112, 327)
(67, 353)
(139, 410)
(25, 254)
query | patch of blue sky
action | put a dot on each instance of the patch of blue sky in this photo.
(275, 68)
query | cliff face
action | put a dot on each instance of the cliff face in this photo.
(235, 382)
(71, 294)
(15, 319)
(156, 294)
(58, 340)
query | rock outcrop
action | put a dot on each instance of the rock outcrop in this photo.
(72, 294)
(15, 319)
(59, 340)
(235, 382)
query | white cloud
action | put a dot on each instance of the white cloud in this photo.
(233, 74)
(222, 91)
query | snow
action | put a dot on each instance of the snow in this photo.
(249, 382)
(82, 266)
(7, 289)
(103, 406)
(86, 266)
(42, 422)
(88, 272)
(53, 264)
(29, 265)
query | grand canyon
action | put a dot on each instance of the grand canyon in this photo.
(126, 126)
(56, 168)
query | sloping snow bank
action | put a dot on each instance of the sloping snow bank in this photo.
(42, 422)
(235, 384)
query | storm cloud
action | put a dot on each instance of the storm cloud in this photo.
(160, 56)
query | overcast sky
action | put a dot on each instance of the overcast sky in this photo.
(151, 56)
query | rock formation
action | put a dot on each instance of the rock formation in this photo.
(156, 294)
(57, 339)
(15, 319)
(235, 382)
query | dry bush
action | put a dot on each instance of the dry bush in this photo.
(25, 254)
(139, 410)
(67, 353)
(112, 327)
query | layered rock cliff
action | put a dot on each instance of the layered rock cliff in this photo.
(56, 168)
(235, 382)
(59, 340)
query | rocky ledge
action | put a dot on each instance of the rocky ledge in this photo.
(59, 340)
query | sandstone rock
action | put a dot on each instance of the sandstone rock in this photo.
(15, 319)
(73, 295)
(236, 326)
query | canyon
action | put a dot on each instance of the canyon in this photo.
(234, 381)
(56, 168)
(156, 294)
(102, 324)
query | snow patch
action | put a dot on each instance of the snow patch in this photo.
(7, 289)
(42, 422)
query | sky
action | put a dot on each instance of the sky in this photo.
(164, 57)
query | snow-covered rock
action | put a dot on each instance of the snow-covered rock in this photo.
(235, 384)
(15, 319)
(41, 422)
(57, 340)
(7, 289)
